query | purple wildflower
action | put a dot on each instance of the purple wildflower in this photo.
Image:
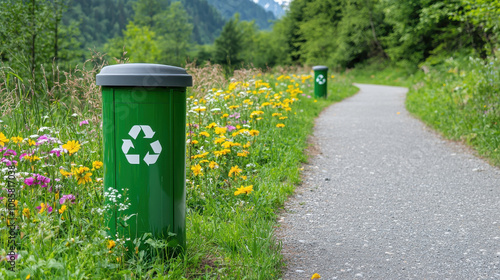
(69, 197)
(235, 115)
(56, 151)
(30, 181)
(230, 128)
(84, 122)
(9, 153)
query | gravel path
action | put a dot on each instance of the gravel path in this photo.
(386, 198)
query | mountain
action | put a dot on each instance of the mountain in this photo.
(207, 21)
(247, 9)
(272, 6)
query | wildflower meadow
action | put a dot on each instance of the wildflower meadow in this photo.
(245, 141)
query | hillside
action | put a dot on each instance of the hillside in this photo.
(247, 9)
(272, 6)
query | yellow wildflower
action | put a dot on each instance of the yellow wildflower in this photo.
(200, 155)
(225, 116)
(243, 153)
(26, 212)
(276, 114)
(3, 139)
(254, 132)
(72, 147)
(84, 179)
(212, 125)
(17, 139)
(31, 158)
(31, 142)
(234, 170)
(316, 275)
(247, 145)
(234, 107)
(204, 161)
(220, 140)
(222, 152)
(244, 190)
(97, 164)
(220, 130)
(63, 208)
(111, 244)
(197, 170)
(194, 142)
(204, 133)
(256, 113)
(280, 125)
(65, 173)
(283, 118)
(213, 165)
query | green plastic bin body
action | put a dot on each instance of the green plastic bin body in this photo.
(144, 129)
(320, 81)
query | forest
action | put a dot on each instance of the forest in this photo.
(338, 33)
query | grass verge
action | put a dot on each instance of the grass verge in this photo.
(246, 140)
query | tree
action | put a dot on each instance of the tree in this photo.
(146, 10)
(175, 30)
(139, 43)
(228, 45)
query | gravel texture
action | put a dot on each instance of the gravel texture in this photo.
(384, 197)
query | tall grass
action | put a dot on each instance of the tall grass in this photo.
(461, 98)
(261, 119)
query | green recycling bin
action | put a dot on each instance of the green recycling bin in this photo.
(320, 81)
(144, 137)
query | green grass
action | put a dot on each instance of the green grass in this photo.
(228, 236)
(461, 99)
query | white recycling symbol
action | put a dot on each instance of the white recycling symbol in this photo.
(320, 79)
(148, 134)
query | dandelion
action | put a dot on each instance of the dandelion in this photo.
(234, 107)
(224, 116)
(219, 140)
(276, 114)
(194, 142)
(222, 152)
(111, 244)
(3, 139)
(244, 190)
(256, 113)
(197, 170)
(204, 133)
(316, 275)
(26, 212)
(280, 125)
(212, 125)
(254, 132)
(97, 164)
(220, 130)
(234, 170)
(31, 142)
(16, 139)
(213, 165)
(65, 173)
(63, 208)
(31, 158)
(243, 153)
(72, 147)
(200, 155)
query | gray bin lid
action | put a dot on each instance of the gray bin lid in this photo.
(144, 75)
(320, 67)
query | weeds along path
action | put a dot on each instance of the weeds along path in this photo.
(384, 197)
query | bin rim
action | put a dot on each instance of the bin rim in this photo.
(320, 67)
(143, 75)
